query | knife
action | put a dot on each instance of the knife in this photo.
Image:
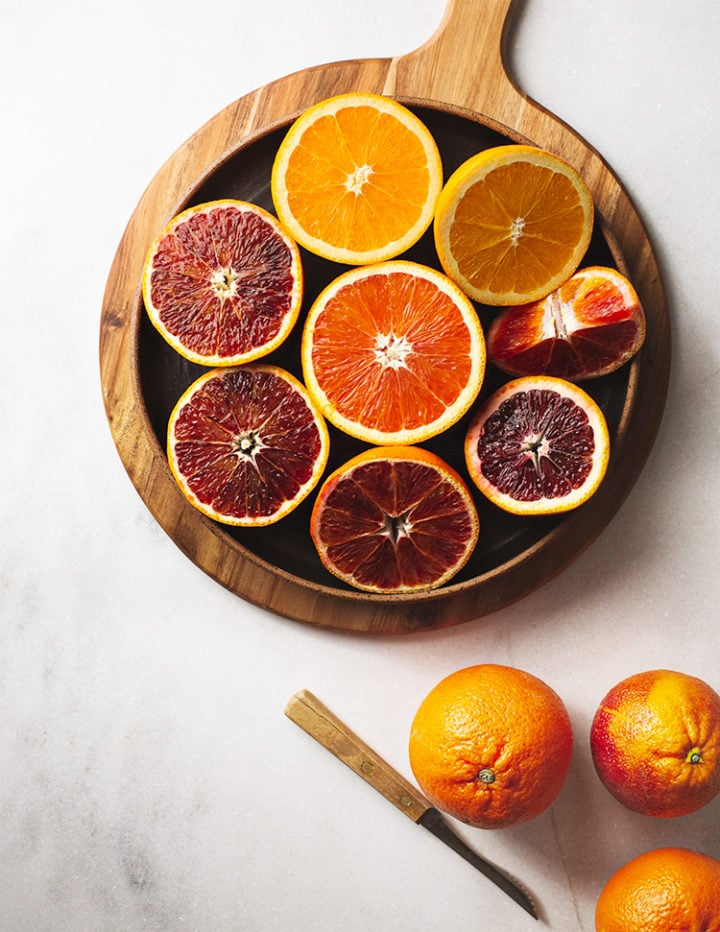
(319, 722)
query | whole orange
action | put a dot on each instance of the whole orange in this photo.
(491, 745)
(663, 890)
(655, 742)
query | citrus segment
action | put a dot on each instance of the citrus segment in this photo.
(393, 353)
(246, 445)
(662, 890)
(588, 327)
(491, 745)
(394, 519)
(537, 446)
(512, 223)
(356, 178)
(655, 741)
(223, 283)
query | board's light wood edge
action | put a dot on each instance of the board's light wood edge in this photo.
(237, 125)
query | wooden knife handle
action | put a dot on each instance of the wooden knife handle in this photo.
(317, 720)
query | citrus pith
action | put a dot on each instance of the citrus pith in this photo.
(356, 178)
(393, 353)
(223, 283)
(491, 745)
(538, 446)
(588, 327)
(512, 223)
(246, 444)
(394, 519)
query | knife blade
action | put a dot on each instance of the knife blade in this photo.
(307, 711)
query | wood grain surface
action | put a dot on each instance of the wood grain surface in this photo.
(460, 72)
(315, 718)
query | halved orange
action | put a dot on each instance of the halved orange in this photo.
(394, 519)
(393, 353)
(589, 326)
(223, 283)
(512, 223)
(246, 444)
(537, 446)
(356, 178)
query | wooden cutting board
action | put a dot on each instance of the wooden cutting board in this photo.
(458, 83)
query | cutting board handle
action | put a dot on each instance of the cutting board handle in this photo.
(462, 64)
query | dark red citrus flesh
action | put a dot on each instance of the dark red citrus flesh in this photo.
(394, 524)
(536, 445)
(577, 356)
(222, 282)
(599, 334)
(246, 443)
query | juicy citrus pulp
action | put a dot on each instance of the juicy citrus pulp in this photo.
(393, 353)
(538, 445)
(246, 444)
(512, 223)
(662, 890)
(588, 327)
(394, 519)
(223, 283)
(356, 178)
(655, 741)
(491, 745)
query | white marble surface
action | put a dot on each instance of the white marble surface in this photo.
(148, 777)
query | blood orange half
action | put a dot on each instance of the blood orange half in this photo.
(394, 519)
(537, 446)
(588, 327)
(223, 283)
(393, 353)
(246, 444)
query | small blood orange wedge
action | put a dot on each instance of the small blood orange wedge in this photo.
(246, 445)
(223, 283)
(394, 519)
(588, 327)
(393, 353)
(537, 446)
(356, 178)
(512, 223)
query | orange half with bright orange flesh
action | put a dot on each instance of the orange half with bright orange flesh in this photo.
(356, 178)
(393, 353)
(512, 223)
